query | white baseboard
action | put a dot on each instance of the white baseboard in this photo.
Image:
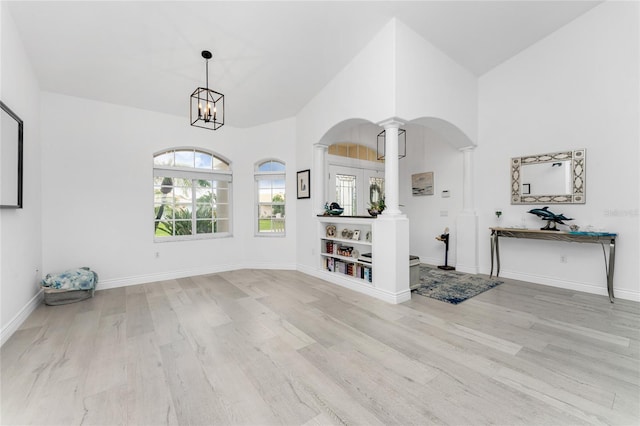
(15, 323)
(572, 285)
(467, 269)
(172, 275)
(355, 285)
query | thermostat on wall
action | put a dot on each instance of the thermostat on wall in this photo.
(446, 194)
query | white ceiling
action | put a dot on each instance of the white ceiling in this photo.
(270, 58)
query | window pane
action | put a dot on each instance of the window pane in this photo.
(204, 226)
(183, 211)
(163, 212)
(218, 164)
(162, 230)
(271, 166)
(165, 159)
(277, 198)
(184, 159)
(264, 183)
(221, 195)
(204, 196)
(278, 183)
(204, 211)
(221, 211)
(278, 211)
(203, 160)
(182, 227)
(346, 193)
(222, 225)
(277, 167)
(265, 211)
(264, 195)
(203, 183)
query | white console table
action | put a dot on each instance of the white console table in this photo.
(601, 238)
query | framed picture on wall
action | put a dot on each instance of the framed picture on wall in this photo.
(422, 183)
(304, 182)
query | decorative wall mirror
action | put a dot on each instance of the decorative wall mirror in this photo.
(11, 134)
(556, 178)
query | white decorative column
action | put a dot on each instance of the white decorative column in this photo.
(391, 168)
(467, 178)
(319, 178)
(467, 221)
(391, 228)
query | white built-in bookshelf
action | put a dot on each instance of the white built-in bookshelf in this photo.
(346, 247)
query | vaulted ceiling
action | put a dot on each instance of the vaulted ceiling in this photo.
(270, 58)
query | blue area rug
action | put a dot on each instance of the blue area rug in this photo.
(450, 286)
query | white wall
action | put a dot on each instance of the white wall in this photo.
(98, 197)
(20, 229)
(363, 89)
(429, 215)
(578, 88)
(430, 84)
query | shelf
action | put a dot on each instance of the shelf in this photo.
(331, 217)
(346, 259)
(348, 241)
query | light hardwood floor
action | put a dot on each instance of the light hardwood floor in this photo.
(262, 347)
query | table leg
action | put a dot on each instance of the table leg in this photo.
(494, 252)
(497, 255)
(493, 249)
(612, 261)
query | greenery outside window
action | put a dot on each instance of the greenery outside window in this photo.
(271, 196)
(192, 195)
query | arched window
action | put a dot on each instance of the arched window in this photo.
(270, 197)
(192, 194)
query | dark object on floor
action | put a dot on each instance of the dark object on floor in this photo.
(445, 239)
(451, 287)
(69, 286)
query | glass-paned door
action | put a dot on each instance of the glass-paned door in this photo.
(355, 188)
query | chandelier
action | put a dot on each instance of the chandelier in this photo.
(207, 106)
(381, 144)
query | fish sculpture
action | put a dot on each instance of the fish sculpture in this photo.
(550, 217)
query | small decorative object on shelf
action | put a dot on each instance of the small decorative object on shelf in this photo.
(334, 209)
(345, 251)
(377, 207)
(550, 217)
(331, 230)
(356, 234)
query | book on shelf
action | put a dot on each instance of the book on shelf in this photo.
(329, 247)
(330, 264)
(365, 257)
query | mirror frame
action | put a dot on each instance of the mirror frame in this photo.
(5, 109)
(578, 167)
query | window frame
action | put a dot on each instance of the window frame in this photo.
(271, 175)
(194, 174)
